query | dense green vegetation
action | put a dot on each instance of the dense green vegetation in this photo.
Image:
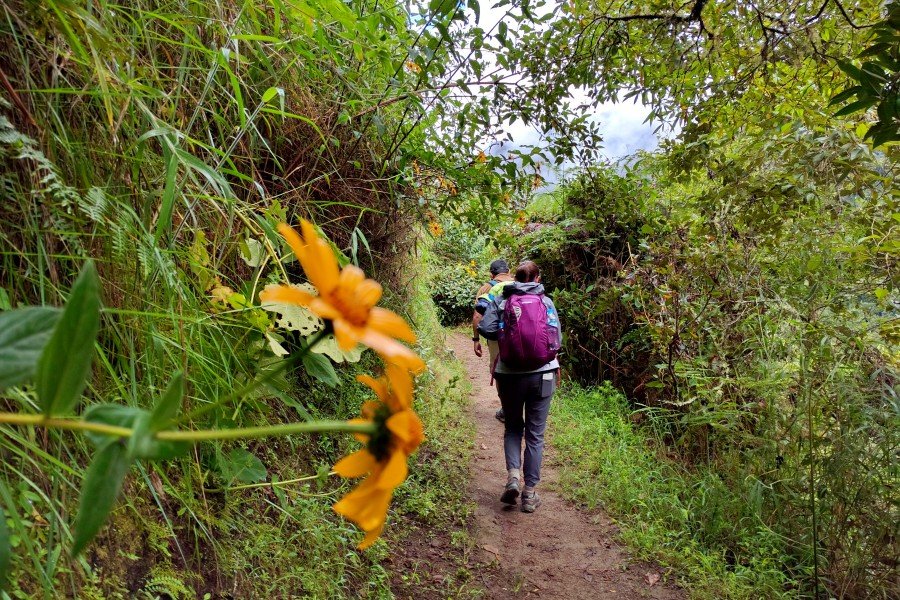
(730, 299)
(166, 142)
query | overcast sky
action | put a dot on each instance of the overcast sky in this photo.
(621, 123)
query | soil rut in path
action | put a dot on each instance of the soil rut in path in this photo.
(557, 552)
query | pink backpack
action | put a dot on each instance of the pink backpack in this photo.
(529, 334)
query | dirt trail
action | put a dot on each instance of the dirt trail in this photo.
(557, 552)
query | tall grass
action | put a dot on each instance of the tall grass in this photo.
(165, 140)
(713, 539)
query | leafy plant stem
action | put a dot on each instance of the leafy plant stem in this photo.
(198, 435)
(272, 484)
(261, 380)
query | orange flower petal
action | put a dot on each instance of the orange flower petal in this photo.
(287, 295)
(368, 293)
(355, 465)
(366, 506)
(362, 437)
(356, 502)
(391, 324)
(394, 471)
(369, 408)
(323, 308)
(392, 351)
(351, 276)
(371, 537)
(345, 334)
(318, 261)
(293, 239)
(407, 428)
(377, 385)
(401, 385)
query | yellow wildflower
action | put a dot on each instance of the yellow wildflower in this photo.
(436, 229)
(346, 299)
(384, 458)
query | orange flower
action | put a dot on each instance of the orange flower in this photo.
(347, 299)
(399, 433)
(437, 230)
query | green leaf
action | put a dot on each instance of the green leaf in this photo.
(814, 263)
(241, 465)
(320, 367)
(270, 93)
(5, 550)
(882, 135)
(845, 95)
(442, 7)
(850, 69)
(23, 334)
(164, 220)
(116, 415)
(65, 363)
(166, 408)
(856, 106)
(142, 444)
(101, 486)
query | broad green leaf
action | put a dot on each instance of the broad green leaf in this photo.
(857, 106)
(99, 490)
(140, 444)
(65, 363)
(252, 252)
(23, 334)
(145, 446)
(166, 408)
(270, 93)
(164, 221)
(293, 317)
(117, 415)
(814, 263)
(329, 347)
(442, 7)
(241, 465)
(275, 346)
(321, 368)
(845, 95)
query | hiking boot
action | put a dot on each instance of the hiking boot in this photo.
(530, 501)
(511, 492)
(499, 415)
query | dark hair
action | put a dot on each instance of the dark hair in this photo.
(528, 271)
(499, 266)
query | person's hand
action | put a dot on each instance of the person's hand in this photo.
(478, 351)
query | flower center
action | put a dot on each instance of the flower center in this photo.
(346, 303)
(379, 444)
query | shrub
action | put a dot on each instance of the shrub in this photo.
(453, 291)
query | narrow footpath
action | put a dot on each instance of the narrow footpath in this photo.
(558, 551)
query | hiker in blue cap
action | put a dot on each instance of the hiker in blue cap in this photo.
(526, 325)
(500, 277)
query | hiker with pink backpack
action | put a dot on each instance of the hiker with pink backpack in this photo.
(526, 325)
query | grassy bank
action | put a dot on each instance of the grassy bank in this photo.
(431, 548)
(712, 540)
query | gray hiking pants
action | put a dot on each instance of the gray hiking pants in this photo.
(526, 403)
